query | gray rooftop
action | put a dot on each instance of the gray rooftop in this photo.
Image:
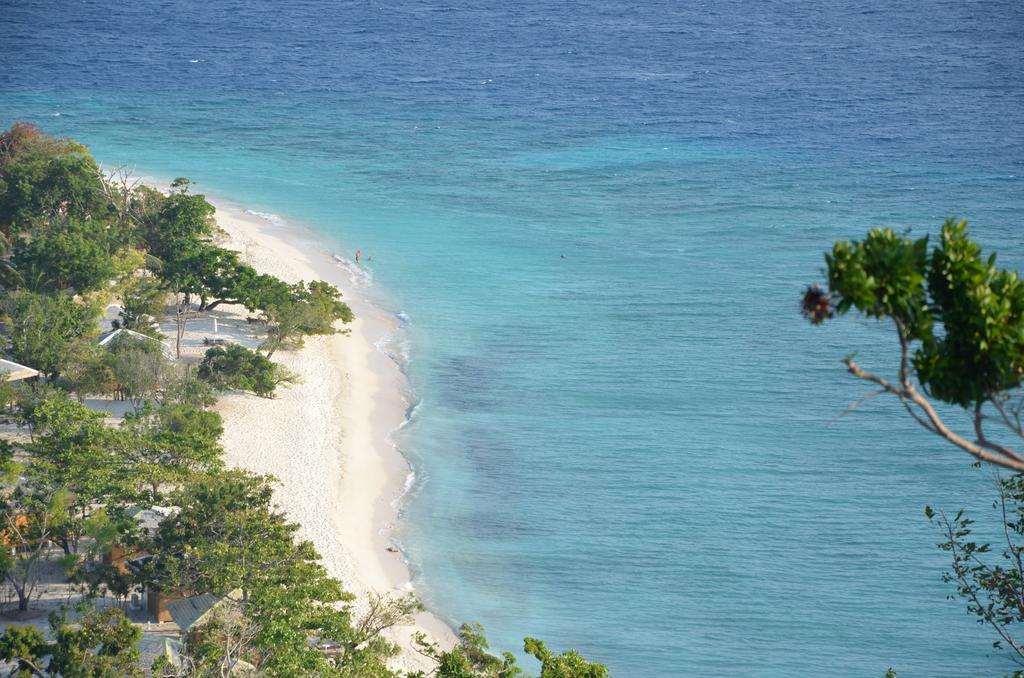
(187, 612)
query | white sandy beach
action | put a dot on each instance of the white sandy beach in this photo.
(326, 438)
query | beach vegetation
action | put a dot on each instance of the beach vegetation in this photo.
(569, 664)
(139, 368)
(229, 536)
(25, 647)
(167, 447)
(470, 658)
(98, 642)
(221, 276)
(72, 456)
(180, 221)
(238, 368)
(86, 370)
(309, 310)
(183, 386)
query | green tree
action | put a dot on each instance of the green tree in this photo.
(183, 386)
(182, 221)
(143, 300)
(959, 324)
(470, 657)
(186, 285)
(566, 665)
(228, 535)
(308, 310)
(168, 447)
(139, 366)
(40, 328)
(240, 368)
(42, 177)
(30, 516)
(73, 453)
(232, 534)
(101, 644)
(70, 255)
(25, 647)
(221, 276)
(86, 369)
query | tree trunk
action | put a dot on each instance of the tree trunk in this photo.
(217, 302)
(181, 320)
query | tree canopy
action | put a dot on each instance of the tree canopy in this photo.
(238, 368)
(70, 255)
(40, 328)
(42, 177)
(959, 322)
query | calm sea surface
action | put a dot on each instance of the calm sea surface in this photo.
(598, 218)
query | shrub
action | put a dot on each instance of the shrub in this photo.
(240, 368)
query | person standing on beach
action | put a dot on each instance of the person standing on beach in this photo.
(359, 253)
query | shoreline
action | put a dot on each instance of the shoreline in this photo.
(329, 438)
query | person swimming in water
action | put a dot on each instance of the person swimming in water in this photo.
(359, 253)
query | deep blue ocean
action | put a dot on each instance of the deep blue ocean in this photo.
(598, 218)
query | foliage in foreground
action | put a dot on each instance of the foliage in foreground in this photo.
(990, 581)
(959, 324)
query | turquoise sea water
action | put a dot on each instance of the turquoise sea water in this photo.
(598, 219)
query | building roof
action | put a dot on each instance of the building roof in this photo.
(106, 338)
(171, 649)
(13, 371)
(155, 645)
(188, 611)
(150, 518)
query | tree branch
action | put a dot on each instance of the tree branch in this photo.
(1015, 551)
(971, 592)
(932, 422)
(985, 442)
(996, 402)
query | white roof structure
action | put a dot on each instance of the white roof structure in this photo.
(107, 337)
(149, 519)
(12, 371)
